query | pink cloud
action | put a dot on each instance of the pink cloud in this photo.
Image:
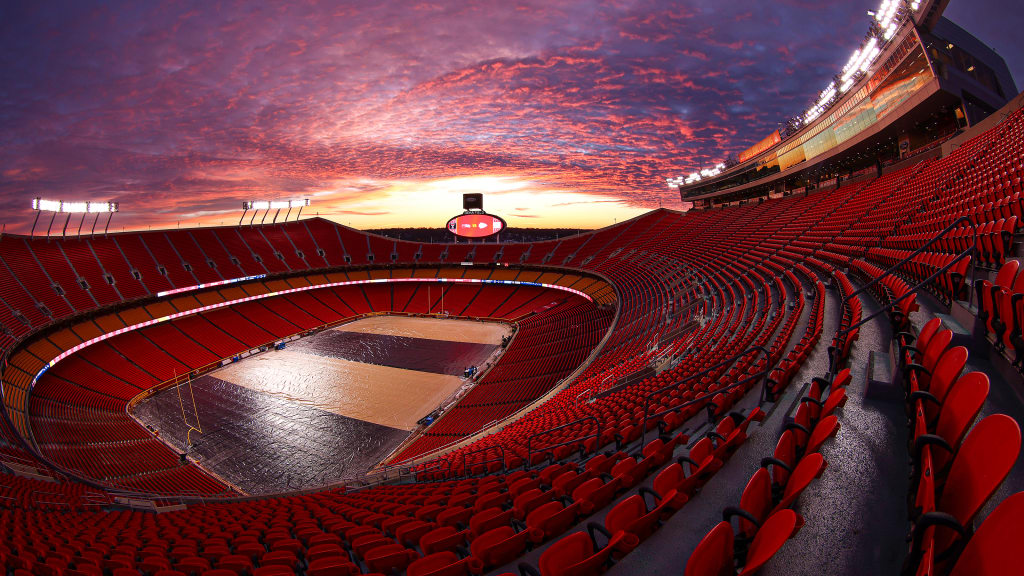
(180, 108)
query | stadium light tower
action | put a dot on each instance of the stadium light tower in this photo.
(268, 205)
(61, 207)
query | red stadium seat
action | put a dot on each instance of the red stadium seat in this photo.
(579, 554)
(555, 517)
(332, 566)
(445, 538)
(444, 564)
(502, 545)
(714, 554)
(983, 461)
(634, 516)
(702, 463)
(992, 550)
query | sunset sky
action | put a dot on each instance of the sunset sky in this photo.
(565, 113)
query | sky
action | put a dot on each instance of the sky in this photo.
(564, 113)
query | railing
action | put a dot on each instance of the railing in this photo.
(465, 455)
(620, 383)
(28, 463)
(576, 401)
(650, 366)
(98, 499)
(674, 335)
(939, 141)
(841, 335)
(438, 465)
(583, 438)
(763, 374)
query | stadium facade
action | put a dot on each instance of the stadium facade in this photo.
(930, 81)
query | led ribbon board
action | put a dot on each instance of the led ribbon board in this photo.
(208, 285)
(141, 325)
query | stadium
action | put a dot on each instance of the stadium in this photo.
(813, 366)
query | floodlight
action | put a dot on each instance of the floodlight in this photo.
(73, 207)
(60, 207)
(274, 204)
(268, 205)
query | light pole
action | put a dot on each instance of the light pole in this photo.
(268, 205)
(63, 207)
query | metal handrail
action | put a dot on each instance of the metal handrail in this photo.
(706, 371)
(18, 460)
(504, 464)
(635, 375)
(576, 401)
(936, 238)
(437, 465)
(623, 382)
(688, 403)
(969, 252)
(529, 440)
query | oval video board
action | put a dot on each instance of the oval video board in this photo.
(475, 225)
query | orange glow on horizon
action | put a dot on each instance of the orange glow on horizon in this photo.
(365, 203)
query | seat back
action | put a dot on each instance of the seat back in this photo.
(985, 458)
(623, 514)
(483, 542)
(440, 539)
(1018, 282)
(439, 564)
(714, 555)
(936, 346)
(947, 370)
(810, 467)
(565, 555)
(1007, 273)
(785, 452)
(995, 547)
(757, 500)
(779, 528)
(959, 410)
(825, 429)
(927, 331)
(669, 478)
(701, 450)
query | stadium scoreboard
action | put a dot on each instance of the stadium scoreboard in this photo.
(474, 222)
(476, 225)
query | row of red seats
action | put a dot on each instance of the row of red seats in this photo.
(633, 427)
(999, 307)
(765, 518)
(957, 468)
(633, 519)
